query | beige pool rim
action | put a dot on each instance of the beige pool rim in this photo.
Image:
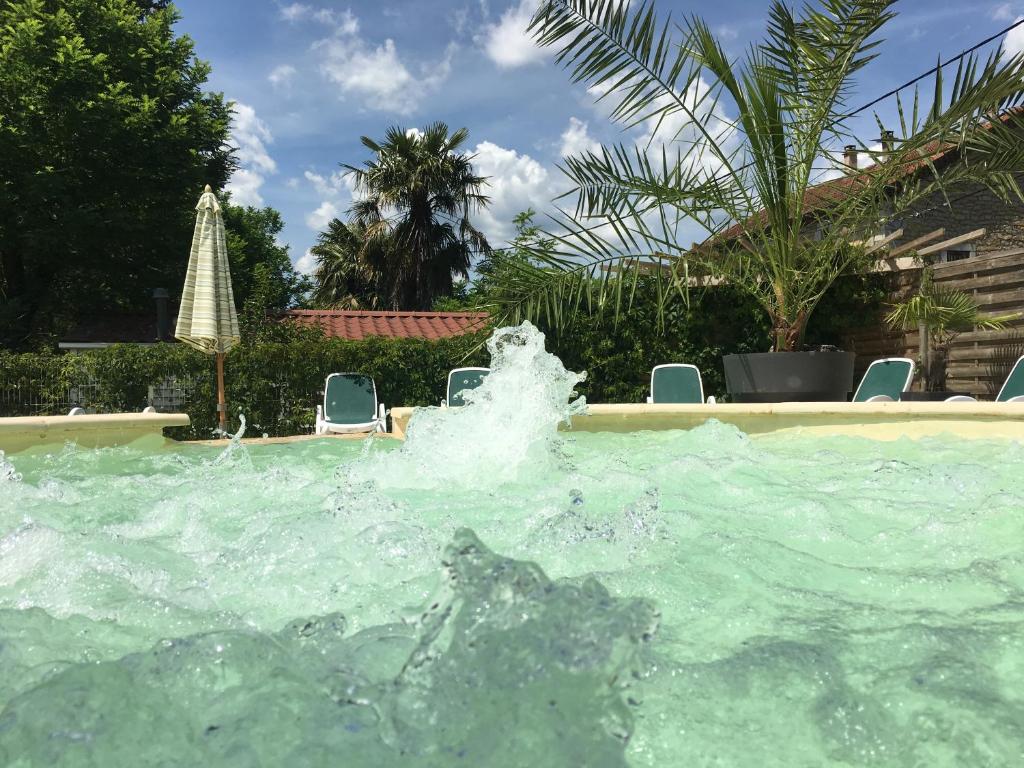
(878, 421)
(105, 430)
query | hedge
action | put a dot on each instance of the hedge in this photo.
(274, 384)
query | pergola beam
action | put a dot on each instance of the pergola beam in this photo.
(952, 241)
(917, 242)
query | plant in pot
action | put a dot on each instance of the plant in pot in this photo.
(734, 149)
(938, 315)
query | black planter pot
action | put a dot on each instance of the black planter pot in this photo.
(780, 377)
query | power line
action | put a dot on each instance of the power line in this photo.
(936, 68)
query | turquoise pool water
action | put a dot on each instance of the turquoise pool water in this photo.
(689, 598)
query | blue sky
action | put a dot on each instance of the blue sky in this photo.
(309, 78)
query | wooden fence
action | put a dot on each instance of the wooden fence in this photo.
(978, 360)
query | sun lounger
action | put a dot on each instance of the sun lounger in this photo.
(350, 405)
(885, 380)
(677, 383)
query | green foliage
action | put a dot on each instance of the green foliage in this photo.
(943, 311)
(618, 354)
(106, 141)
(851, 302)
(275, 385)
(262, 273)
(748, 180)
(411, 232)
(350, 268)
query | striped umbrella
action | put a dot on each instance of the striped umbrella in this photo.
(207, 319)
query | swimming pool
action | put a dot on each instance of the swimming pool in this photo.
(494, 593)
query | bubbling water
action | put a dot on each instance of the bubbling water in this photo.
(508, 424)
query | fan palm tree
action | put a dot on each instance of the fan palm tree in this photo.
(748, 181)
(349, 274)
(417, 194)
(939, 314)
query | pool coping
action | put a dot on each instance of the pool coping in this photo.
(879, 421)
(100, 430)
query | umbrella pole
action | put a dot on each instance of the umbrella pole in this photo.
(222, 408)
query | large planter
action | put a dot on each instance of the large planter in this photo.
(780, 377)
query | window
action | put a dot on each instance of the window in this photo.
(959, 253)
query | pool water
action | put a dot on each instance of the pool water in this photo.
(495, 594)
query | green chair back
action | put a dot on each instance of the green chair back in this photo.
(350, 398)
(1014, 384)
(463, 379)
(889, 377)
(676, 383)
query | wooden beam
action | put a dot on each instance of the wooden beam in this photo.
(890, 264)
(952, 241)
(875, 244)
(916, 242)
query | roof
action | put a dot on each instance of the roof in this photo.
(822, 196)
(358, 324)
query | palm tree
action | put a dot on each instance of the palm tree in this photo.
(349, 273)
(748, 181)
(417, 193)
(939, 314)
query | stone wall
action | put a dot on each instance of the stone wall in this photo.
(1004, 224)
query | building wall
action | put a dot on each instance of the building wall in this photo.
(1004, 224)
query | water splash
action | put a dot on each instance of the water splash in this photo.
(8, 474)
(510, 420)
(501, 643)
(234, 450)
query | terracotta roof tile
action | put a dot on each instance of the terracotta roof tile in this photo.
(354, 325)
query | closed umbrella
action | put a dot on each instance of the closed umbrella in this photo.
(207, 319)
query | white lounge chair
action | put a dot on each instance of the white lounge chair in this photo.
(885, 380)
(677, 383)
(460, 380)
(350, 405)
(1012, 390)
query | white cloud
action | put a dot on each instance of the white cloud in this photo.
(292, 183)
(337, 184)
(516, 182)
(377, 73)
(344, 21)
(306, 263)
(281, 76)
(508, 43)
(1013, 42)
(576, 139)
(319, 218)
(1002, 12)
(250, 135)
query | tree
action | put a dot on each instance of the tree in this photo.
(106, 141)
(349, 269)
(749, 181)
(417, 194)
(261, 269)
(939, 314)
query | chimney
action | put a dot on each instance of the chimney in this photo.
(163, 321)
(888, 142)
(850, 156)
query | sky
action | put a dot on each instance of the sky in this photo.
(308, 79)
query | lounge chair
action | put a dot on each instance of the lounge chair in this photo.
(1011, 392)
(885, 380)
(677, 383)
(350, 405)
(461, 380)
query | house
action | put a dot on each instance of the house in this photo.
(973, 242)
